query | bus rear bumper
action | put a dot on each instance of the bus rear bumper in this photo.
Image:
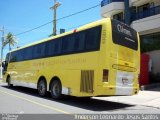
(117, 91)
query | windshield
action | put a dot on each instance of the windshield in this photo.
(7, 57)
(124, 35)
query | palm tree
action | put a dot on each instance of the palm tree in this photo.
(10, 39)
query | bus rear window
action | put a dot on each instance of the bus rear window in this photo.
(124, 35)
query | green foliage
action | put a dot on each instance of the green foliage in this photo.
(10, 40)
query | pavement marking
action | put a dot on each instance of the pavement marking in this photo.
(37, 103)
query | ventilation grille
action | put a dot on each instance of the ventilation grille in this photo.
(87, 79)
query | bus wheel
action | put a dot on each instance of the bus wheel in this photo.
(56, 89)
(9, 82)
(42, 88)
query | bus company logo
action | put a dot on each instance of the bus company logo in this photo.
(121, 29)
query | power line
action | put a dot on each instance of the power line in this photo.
(57, 20)
(66, 29)
(33, 29)
(78, 12)
(77, 26)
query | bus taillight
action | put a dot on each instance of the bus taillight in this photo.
(105, 75)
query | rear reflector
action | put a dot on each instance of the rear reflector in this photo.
(105, 75)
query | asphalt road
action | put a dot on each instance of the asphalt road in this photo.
(20, 100)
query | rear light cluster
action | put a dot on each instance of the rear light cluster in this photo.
(105, 75)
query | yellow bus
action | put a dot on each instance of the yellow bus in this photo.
(98, 59)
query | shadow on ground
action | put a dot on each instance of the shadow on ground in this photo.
(85, 103)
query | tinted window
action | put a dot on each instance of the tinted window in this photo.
(7, 57)
(84, 41)
(93, 38)
(124, 35)
(80, 39)
(49, 48)
(28, 53)
(53, 47)
(39, 50)
(71, 43)
(20, 55)
(13, 57)
(68, 44)
(65, 44)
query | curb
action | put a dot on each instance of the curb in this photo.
(151, 86)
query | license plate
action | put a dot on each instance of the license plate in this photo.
(125, 81)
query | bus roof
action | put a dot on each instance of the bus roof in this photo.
(89, 25)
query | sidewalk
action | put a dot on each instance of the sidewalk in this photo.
(150, 86)
(145, 98)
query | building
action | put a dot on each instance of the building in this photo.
(143, 16)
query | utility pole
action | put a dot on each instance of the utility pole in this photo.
(2, 30)
(56, 5)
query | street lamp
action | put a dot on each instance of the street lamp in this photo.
(56, 5)
(2, 30)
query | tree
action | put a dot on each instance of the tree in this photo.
(10, 39)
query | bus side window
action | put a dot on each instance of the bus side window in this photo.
(93, 38)
(68, 44)
(79, 42)
(26, 54)
(65, 44)
(39, 50)
(35, 54)
(53, 47)
(49, 48)
(7, 57)
(57, 47)
(29, 53)
(12, 57)
(20, 55)
(71, 41)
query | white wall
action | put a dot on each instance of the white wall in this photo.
(156, 2)
(111, 9)
(147, 25)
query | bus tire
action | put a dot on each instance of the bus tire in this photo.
(9, 82)
(56, 89)
(42, 87)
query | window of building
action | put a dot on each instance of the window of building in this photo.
(150, 42)
(119, 16)
(143, 11)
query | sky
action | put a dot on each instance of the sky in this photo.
(18, 16)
